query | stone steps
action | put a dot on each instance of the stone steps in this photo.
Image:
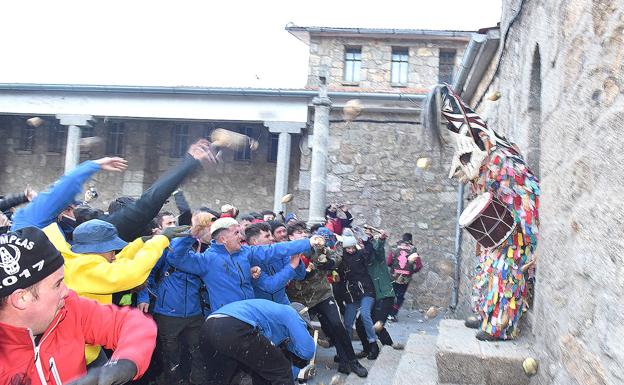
(462, 359)
(417, 365)
(385, 365)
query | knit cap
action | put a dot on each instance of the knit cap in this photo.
(26, 257)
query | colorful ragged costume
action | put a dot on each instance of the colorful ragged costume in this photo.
(500, 285)
(490, 163)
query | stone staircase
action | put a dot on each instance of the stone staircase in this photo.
(454, 357)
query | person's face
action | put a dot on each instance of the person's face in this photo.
(243, 224)
(298, 234)
(280, 234)
(268, 217)
(168, 221)
(264, 238)
(232, 238)
(350, 249)
(50, 299)
(68, 212)
(109, 255)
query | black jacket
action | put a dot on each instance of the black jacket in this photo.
(132, 220)
(12, 201)
(354, 273)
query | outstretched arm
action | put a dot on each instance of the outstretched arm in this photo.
(279, 280)
(13, 200)
(95, 275)
(264, 253)
(131, 220)
(182, 257)
(44, 209)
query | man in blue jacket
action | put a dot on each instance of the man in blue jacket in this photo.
(260, 234)
(178, 314)
(261, 336)
(225, 267)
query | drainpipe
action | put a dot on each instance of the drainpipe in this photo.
(458, 246)
(470, 56)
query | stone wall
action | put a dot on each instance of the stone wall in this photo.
(375, 74)
(561, 86)
(372, 168)
(247, 184)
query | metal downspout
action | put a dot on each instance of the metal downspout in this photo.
(470, 55)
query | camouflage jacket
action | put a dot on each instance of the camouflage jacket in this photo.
(314, 288)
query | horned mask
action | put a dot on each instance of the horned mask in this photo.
(468, 131)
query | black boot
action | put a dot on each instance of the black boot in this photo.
(344, 368)
(473, 322)
(362, 354)
(358, 369)
(483, 336)
(373, 351)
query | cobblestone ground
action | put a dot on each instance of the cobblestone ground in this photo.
(409, 322)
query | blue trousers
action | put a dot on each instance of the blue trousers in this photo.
(365, 306)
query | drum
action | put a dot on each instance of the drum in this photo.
(487, 220)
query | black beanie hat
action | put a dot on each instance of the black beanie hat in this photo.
(407, 237)
(275, 225)
(26, 257)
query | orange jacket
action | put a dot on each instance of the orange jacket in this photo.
(59, 356)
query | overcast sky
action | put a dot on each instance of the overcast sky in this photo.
(197, 43)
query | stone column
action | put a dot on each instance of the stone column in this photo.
(284, 129)
(318, 169)
(72, 149)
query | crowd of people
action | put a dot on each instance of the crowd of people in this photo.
(203, 296)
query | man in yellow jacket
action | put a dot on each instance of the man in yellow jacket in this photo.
(95, 270)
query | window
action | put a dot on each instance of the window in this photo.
(179, 140)
(245, 152)
(273, 144)
(27, 138)
(57, 136)
(86, 132)
(399, 65)
(446, 66)
(115, 138)
(353, 62)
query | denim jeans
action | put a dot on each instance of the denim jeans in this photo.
(365, 305)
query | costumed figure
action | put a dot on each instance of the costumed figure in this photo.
(503, 217)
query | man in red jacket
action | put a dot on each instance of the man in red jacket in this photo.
(44, 326)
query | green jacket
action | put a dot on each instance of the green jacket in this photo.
(379, 272)
(314, 288)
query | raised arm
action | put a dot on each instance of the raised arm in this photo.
(48, 204)
(379, 247)
(131, 220)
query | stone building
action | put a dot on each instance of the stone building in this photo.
(370, 162)
(559, 72)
